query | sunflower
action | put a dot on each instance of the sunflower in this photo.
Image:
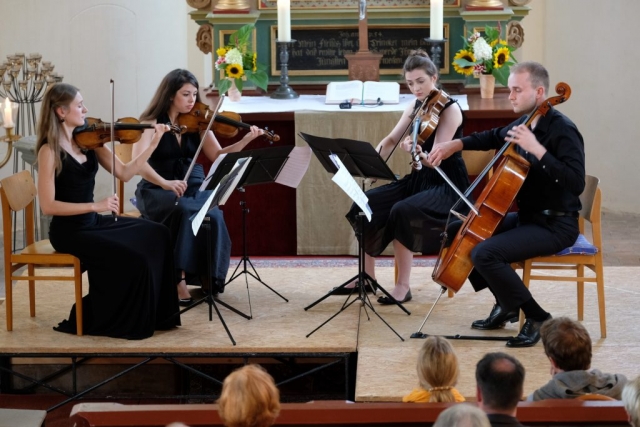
(500, 57)
(254, 62)
(466, 55)
(234, 71)
(221, 51)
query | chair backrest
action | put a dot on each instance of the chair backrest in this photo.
(475, 161)
(124, 153)
(17, 192)
(589, 196)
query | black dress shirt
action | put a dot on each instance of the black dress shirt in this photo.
(554, 182)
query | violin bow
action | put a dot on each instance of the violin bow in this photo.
(204, 135)
(113, 145)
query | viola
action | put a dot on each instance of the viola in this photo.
(429, 113)
(95, 133)
(226, 123)
(454, 265)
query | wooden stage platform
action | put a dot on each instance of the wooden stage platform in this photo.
(385, 364)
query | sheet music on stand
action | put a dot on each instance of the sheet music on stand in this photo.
(345, 181)
(222, 192)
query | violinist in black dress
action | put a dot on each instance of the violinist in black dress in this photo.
(164, 184)
(548, 201)
(128, 261)
(411, 213)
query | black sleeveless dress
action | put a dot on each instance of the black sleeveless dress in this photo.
(129, 262)
(171, 161)
(414, 209)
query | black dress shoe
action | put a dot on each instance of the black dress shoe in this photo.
(529, 334)
(388, 301)
(496, 320)
(185, 302)
(346, 291)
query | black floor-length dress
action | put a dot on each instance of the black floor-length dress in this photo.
(129, 262)
(171, 161)
(414, 209)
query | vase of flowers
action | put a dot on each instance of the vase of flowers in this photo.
(485, 55)
(239, 63)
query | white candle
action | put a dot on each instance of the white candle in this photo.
(435, 23)
(8, 116)
(284, 20)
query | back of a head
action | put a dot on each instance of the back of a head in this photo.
(462, 415)
(438, 369)
(249, 398)
(500, 378)
(631, 400)
(568, 343)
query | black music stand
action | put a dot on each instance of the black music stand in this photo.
(360, 159)
(264, 167)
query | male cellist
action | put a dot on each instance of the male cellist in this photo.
(548, 201)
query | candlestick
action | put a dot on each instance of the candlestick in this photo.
(436, 19)
(436, 51)
(7, 114)
(284, 91)
(9, 138)
(284, 20)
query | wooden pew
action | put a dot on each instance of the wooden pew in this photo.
(341, 413)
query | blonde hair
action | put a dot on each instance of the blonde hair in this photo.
(631, 400)
(438, 369)
(462, 415)
(50, 125)
(249, 398)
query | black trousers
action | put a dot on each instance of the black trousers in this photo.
(520, 236)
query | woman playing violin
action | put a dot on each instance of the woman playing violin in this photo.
(128, 261)
(548, 201)
(163, 184)
(411, 213)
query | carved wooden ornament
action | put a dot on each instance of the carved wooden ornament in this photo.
(515, 34)
(200, 4)
(204, 38)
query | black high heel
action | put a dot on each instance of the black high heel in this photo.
(184, 302)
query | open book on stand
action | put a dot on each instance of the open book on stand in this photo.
(363, 93)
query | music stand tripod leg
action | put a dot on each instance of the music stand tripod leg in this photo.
(245, 256)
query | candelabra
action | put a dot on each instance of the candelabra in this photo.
(284, 91)
(24, 81)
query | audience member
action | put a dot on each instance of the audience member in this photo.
(499, 378)
(463, 415)
(631, 399)
(568, 346)
(437, 372)
(249, 398)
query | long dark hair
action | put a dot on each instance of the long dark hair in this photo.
(170, 84)
(50, 125)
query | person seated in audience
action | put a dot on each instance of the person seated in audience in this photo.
(631, 400)
(437, 372)
(499, 383)
(463, 415)
(249, 398)
(568, 346)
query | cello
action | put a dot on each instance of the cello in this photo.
(454, 265)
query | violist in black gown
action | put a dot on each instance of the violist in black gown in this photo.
(129, 261)
(411, 212)
(163, 185)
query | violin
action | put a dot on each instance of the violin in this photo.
(226, 123)
(95, 133)
(429, 113)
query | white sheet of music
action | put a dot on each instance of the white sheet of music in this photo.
(226, 184)
(212, 169)
(295, 167)
(349, 185)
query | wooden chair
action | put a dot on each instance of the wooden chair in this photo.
(123, 151)
(18, 192)
(583, 254)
